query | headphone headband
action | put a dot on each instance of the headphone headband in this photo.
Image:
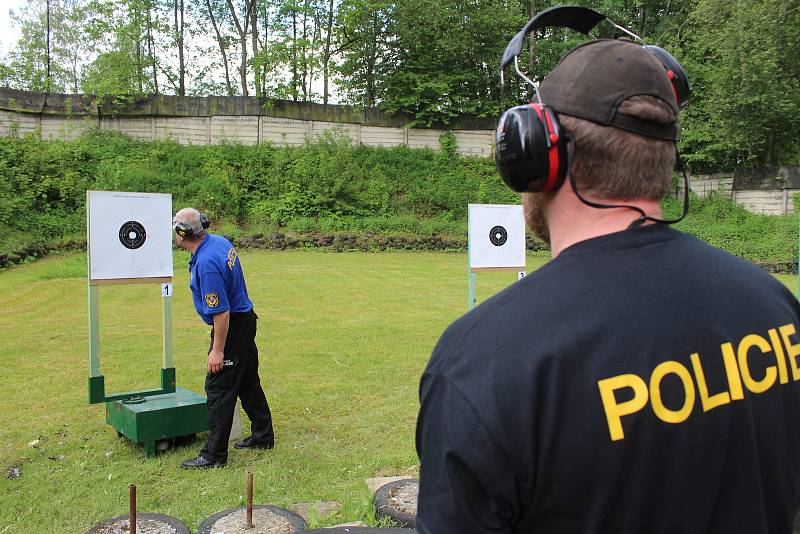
(580, 19)
(590, 82)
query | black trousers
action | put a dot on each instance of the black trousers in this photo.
(239, 379)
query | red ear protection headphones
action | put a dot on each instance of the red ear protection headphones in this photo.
(530, 146)
(185, 230)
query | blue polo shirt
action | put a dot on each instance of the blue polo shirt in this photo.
(217, 280)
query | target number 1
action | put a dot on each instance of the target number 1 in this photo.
(166, 290)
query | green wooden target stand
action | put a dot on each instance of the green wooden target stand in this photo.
(150, 417)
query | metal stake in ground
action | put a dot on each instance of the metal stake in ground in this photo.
(249, 523)
(132, 514)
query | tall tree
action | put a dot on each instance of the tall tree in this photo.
(746, 82)
(446, 63)
(178, 11)
(327, 51)
(365, 40)
(242, 29)
(148, 7)
(215, 15)
(254, 40)
(56, 36)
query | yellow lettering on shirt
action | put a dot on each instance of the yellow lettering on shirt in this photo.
(780, 357)
(792, 350)
(732, 371)
(736, 362)
(661, 411)
(747, 343)
(616, 410)
(708, 402)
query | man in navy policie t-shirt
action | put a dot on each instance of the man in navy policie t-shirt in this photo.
(640, 382)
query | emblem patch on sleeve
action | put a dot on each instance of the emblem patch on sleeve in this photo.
(231, 257)
(212, 299)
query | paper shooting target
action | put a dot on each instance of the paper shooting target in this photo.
(130, 235)
(496, 236)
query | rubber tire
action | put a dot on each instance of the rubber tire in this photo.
(296, 522)
(384, 509)
(179, 527)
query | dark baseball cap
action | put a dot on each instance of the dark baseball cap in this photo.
(594, 78)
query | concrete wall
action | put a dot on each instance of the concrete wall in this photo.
(767, 202)
(248, 130)
(703, 185)
(767, 191)
(214, 120)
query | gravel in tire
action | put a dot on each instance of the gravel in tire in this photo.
(266, 520)
(404, 497)
(145, 524)
(398, 501)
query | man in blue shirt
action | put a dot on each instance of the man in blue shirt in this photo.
(220, 298)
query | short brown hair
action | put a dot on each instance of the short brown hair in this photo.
(611, 163)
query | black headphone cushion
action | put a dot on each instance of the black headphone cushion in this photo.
(184, 230)
(527, 158)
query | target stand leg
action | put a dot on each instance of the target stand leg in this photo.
(149, 449)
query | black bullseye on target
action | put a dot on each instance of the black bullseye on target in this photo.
(498, 236)
(132, 235)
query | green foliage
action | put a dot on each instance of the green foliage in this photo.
(445, 63)
(323, 186)
(729, 226)
(745, 74)
(329, 182)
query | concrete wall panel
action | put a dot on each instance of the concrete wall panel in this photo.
(242, 129)
(377, 136)
(703, 185)
(59, 127)
(766, 202)
(424, 138)
(12, 123)
(475, 143)
(138, 127)
(351, 131)
(291, 132)
(184, 130)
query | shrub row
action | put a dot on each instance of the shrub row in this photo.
(367, 242)
(384, 198)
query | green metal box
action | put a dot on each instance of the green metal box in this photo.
(146, 420)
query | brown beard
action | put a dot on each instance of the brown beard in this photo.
(533, 207)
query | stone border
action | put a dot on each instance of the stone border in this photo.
(179, 527)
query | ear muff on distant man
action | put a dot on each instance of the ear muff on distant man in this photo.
(530, 146)
(185, 230)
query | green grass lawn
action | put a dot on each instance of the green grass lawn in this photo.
(343, 340)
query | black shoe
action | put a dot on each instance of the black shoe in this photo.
(251, 443)
(201, 462)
